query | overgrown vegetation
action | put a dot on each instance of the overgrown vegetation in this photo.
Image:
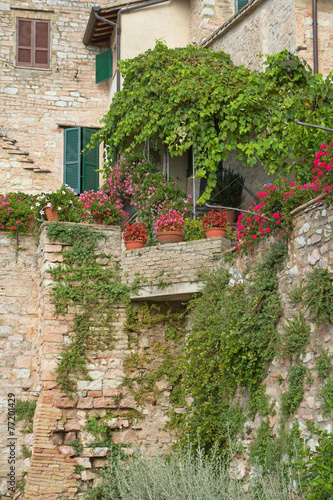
(25, 410)
(194, 96)
(90, 285)
(318, 295)
(296, 336)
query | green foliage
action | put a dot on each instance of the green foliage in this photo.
(193, 230)
(316, 468)
(25, 410)
(165, 351)
(318, 296)
(189, 475)
(291, 399)
(296, 294)
(228, 189)
(296, 336)
(324, 364)
(259, 403)
(326, 392)
(233, 337)
(272, 451)
(77, 445)
(196, 96)
(84, 281)
(26, 453)
(79, 469)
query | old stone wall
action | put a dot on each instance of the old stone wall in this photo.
(18, 330)
(268, 26)
(263, 26)
(36, 103)
(32, 340)
(304, 32)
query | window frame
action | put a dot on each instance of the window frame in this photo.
(82, 161)
(32, 47)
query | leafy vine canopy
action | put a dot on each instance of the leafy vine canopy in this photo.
(193, 96)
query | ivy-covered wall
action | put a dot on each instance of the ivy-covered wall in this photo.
(124, 385)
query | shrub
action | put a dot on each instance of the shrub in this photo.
(214, 218)
(15, 211)
(318, 295)
(296, 336)
(135, 231)
(316, 468)
(193, 229)
(170, 221)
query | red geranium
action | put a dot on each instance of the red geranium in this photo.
(135, 232)
(214, 218)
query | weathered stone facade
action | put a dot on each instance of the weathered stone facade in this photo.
(32, 339)
(268, 26)
(37, 103)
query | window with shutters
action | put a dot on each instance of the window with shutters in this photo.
(80, 165)
(103, 66)
(33, 43)
(240, 4)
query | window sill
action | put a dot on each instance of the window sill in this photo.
(32, 67)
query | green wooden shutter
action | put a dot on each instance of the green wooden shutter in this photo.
(72, 160)
(103, 66)
(240, 4)
(90, 162)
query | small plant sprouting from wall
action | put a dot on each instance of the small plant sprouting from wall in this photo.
(318, 295)
(291, 399)
(25, 410)
(296, 337)
(94, 289)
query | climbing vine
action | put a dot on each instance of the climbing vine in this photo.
(194, 96)
(89, 284)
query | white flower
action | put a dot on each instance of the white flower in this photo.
(49, 205)
(70, 201)
(31, 208)
(42, 212)
(37, 204)
(63, 192)
(59, 208)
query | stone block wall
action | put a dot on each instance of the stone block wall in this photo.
(263, 26)
(37, 102)
(32, 339)
(18, 330)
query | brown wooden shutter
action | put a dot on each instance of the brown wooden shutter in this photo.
(33, 43)
(24, 42)
(42, 46)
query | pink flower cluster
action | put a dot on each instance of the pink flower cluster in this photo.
(272, 214)
(171, 221)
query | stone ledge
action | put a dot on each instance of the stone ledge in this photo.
(177, 291)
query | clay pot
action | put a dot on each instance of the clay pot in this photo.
(213, 232)
(170, 237)
(51, 213)
(132, 245)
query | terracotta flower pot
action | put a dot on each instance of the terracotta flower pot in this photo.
(51, 213)
(170, 237)
(213, 232)
(132, 245)
(231, 216)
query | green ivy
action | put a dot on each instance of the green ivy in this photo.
(326, 392)
(318, 296)
(233, 337)
(324, 364)
(296, 336)
(91, 284)
(195, 96)
(25, 410)
(291, 399)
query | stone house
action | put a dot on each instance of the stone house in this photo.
(52, 93)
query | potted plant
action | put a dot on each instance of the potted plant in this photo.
(135, 236)
(169, 227)
(228, 192)
(214, 223)
(61, 204)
